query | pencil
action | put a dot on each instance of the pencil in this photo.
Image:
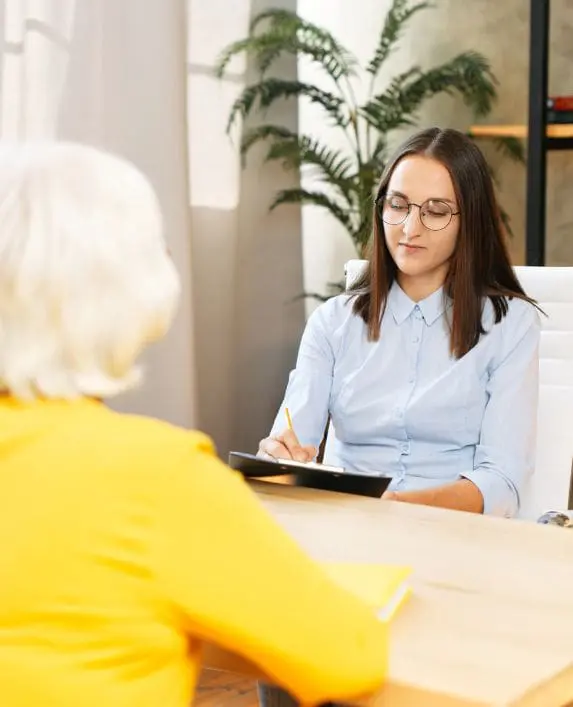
(289, 419)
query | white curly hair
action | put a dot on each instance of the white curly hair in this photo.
(85, 277)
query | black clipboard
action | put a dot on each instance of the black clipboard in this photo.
(311, 475)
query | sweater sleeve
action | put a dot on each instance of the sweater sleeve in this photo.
(242, 583)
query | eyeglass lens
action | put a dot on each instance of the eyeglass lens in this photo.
(434, 214)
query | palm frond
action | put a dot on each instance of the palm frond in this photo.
(304, 196)
(469, 75)
(287, 33)
(386, 111)
(368, 177)
(511, 147)
(262, 133)
(304, 37)
(332, 166)
(378, 153)
(295, 150)
(264, 93)
(398, 15)
(506, 221)
(494, 176)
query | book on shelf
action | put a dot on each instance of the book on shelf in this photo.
(559, 117)
(560, 103)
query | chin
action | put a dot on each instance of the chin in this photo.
(407, 267)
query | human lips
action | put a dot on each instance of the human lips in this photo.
(411, 248)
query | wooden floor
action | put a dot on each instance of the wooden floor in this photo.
(224, 690)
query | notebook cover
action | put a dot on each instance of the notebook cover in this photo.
(384, 587)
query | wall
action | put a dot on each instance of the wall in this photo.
(247, 264)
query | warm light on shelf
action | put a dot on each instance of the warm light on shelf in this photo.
(520, 131)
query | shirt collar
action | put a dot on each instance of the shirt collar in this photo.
(431, 307)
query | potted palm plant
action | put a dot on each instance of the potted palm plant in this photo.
(343, 181)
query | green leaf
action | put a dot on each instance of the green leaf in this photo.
(288, 33)
(266, 92)
(296, 151)
(396, 19)
(294, 35)
(469, 75)
(387, 111)
(304, 196)
(511, 147)
(249, 45)
(368, 178)
(506, 221)
(333, 167)
(262, 133)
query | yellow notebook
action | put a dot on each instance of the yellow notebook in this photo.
(384, 587)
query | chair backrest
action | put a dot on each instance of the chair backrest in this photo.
(352, 271)
(550, 486)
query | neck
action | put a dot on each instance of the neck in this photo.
(418, 287)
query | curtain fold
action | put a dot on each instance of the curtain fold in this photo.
(112, 74)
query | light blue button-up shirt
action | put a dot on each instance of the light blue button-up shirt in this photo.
(405, 407)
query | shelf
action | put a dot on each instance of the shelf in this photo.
(520, 131)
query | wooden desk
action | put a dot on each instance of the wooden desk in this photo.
(490, 621)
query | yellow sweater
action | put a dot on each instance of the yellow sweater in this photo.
(125, 542)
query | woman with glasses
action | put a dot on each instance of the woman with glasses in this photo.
(428, 367)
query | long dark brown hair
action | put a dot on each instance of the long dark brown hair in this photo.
(480, 266)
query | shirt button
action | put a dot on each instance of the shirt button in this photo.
(406, 448)
(416, 339)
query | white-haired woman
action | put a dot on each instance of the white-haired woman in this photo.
(124, 542)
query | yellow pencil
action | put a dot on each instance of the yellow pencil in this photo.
(289, 419)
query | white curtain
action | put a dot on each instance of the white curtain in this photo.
(110, 74)
(136, 77)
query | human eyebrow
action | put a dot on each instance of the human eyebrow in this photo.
(393, 192)
(441, 198)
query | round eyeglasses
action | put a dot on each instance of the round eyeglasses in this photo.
(435, 214)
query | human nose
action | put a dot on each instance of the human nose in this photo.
(412, 225)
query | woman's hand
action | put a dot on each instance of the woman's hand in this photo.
(390, 496)
(286, 446)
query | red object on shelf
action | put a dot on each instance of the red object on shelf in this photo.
(560, 103)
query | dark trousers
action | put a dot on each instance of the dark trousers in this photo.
(270, 696)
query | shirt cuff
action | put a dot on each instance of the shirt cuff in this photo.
(499, 496)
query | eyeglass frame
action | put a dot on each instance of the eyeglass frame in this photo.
(381, 198)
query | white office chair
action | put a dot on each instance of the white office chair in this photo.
(550, 487)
